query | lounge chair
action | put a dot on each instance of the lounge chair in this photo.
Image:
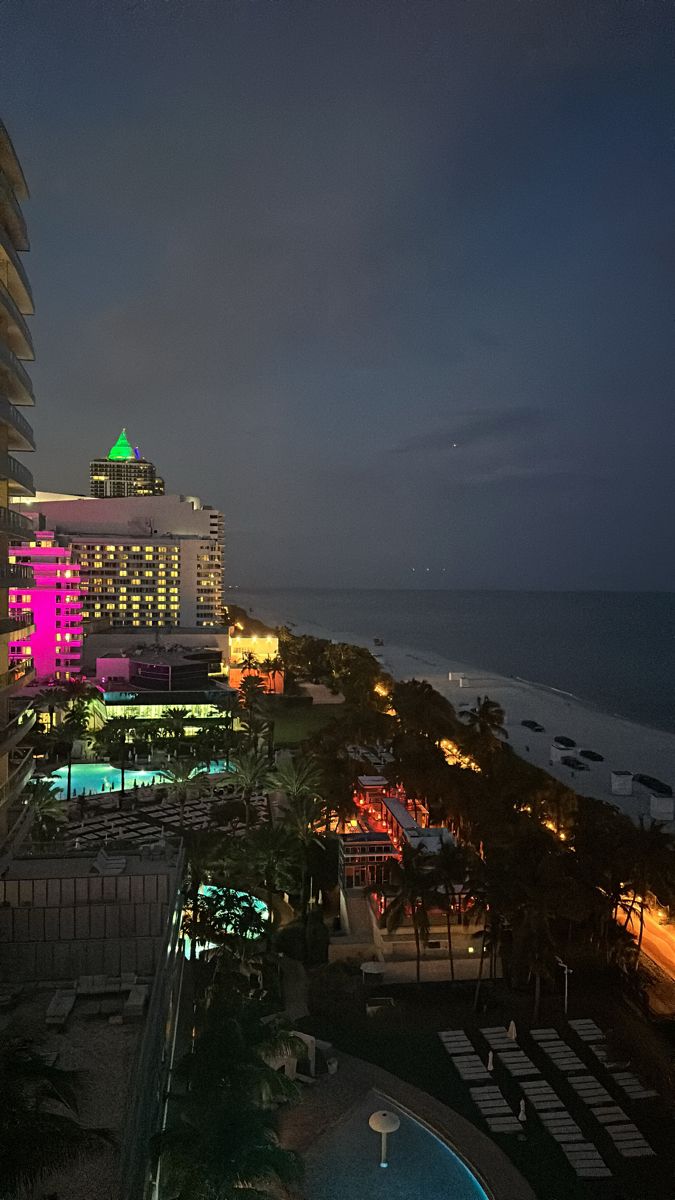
(107, 864)
(60, 1007)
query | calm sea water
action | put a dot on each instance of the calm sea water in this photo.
(615, 650)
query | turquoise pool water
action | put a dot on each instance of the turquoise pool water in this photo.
(345, 1162)
(102, 777)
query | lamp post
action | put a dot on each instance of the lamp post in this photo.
(568, 971)
(384, 1122)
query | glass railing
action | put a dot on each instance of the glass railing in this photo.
(19, 621)
(18, 375)
(15, 472)
(17, 267)
(15, 523)
(21, 670)
(14, 417)
(16, 316)
(15, 221)
(16, 575)
(17, 728)
(20, 773)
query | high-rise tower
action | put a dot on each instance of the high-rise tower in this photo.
(16, 392)
(124, 473)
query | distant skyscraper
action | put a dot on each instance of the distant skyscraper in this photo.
(124, 473)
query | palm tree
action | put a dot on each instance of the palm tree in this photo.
(46, 806)
(450, 873)
(486, 720)
(72, 729)
(268, 668)
(181, 776)
(270, 860)
(652, 871)
(112, 739)
(248, 663)
(250, 776)
(409, 892)
(51, 700)
(172, 723)
(302, 818)
(39, 1128)
(298, 777)
(251, 692)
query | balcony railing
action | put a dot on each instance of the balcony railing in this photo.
(20, 622)
(21, 672)
(19, 287)
(16, 474)
(13, 417)
(15, 524)
(13, 218)
(16, 575)
(17, 780)
(18, 322)
(15, 377)
(15, 731)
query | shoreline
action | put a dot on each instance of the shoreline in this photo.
(626, 745)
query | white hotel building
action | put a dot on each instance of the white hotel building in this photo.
(145, 561)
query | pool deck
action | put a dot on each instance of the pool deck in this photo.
(334, 1098)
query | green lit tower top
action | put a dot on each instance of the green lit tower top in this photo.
(124, 473)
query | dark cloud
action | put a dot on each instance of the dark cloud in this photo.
(300, 250)
(471, 428)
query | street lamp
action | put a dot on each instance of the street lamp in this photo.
(384, 1122)
(568, 971)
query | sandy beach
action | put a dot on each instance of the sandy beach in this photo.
(625, 745)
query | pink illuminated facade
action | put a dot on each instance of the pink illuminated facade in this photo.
(55, 599)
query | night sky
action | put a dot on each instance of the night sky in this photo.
(390, 282)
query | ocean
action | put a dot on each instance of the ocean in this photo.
(613, 650)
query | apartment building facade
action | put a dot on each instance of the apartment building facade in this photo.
(55, 600)
(16, 435)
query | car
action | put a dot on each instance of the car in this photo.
(534, 726)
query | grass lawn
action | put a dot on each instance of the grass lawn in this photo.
(292, 726)
(405, 1042)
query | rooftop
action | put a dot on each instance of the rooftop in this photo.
(123, 451)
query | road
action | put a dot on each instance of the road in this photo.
(658, 941)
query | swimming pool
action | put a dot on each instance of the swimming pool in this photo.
(102, 777)
(239, 903)
(345, 1161)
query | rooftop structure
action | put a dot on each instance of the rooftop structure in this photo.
(94, 963)
(124, 472)
(16, 435)
(54, 602)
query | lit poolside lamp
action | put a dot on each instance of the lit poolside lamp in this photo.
(384, 1123)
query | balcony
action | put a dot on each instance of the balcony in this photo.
(13, 327)
(19, 477)
(17, 280)
(20, 431)
(15, 525)
(11, 215)
(11, 166)
(14, 378)
(16, 730)
(18, 675)
(18, 625)
(20, 773)
(16, 575)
